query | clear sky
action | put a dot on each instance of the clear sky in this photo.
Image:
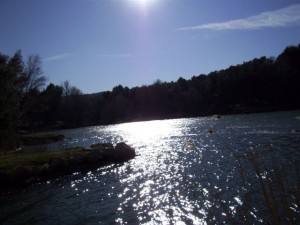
(99, 44)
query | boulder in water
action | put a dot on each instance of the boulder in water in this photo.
(121, 153)
(124, 152)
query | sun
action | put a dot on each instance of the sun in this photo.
(144, 6)
(143, 2)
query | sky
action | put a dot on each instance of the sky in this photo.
(99, 44)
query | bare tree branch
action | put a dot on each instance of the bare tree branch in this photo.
(34, 78)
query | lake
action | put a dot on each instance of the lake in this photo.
(188, 171)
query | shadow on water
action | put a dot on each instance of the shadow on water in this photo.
(81, 198)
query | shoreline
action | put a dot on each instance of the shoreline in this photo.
(20, 168)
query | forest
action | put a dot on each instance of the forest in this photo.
(28, 104)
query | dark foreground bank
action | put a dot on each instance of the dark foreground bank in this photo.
(22, 168)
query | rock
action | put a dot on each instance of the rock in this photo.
(102, 146)
(38, 166)
(75, 159)
(217, 117)
(58, 164)
(121, 153)
(124, 152)
(94, 156)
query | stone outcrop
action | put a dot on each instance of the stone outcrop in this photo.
(122, 152)
(47, 165)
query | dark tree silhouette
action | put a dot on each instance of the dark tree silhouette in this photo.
(262, 84)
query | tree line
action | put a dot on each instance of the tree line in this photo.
(262, 84)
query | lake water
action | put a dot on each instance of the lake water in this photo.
(189, 171)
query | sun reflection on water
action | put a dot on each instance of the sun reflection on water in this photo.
(164, 183)
(159, 189)
(147, 132)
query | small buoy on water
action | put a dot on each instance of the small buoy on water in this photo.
(209, 131)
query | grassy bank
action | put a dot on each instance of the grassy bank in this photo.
(22, 168)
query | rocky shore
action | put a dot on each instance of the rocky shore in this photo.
(22, 168)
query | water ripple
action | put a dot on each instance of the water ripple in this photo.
(189, 171)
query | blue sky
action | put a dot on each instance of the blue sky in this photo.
(99, 44)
